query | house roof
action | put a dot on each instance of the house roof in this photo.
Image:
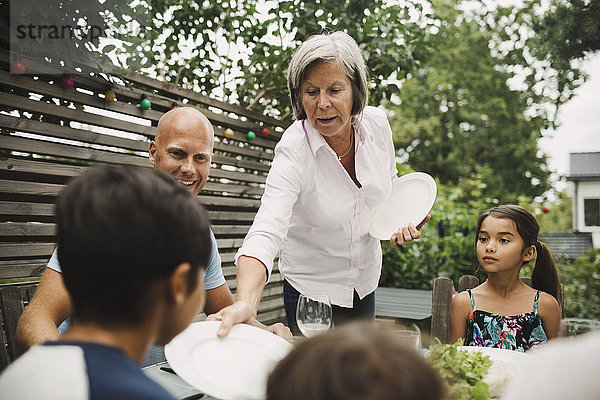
(584, 166)
(570, 245)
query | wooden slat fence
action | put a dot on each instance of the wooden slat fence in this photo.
(49, 135)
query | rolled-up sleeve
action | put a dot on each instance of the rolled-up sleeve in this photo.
(53, 262)
(213, 277)
(270, 226)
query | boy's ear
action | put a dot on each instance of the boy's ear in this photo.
(529, 253)
(178, 283)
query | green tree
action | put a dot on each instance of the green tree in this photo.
(240, 50)
(582, 286)
(568, 31)
(460, 119)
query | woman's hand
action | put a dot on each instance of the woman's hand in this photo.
(238, 312)
(241, 312)
(408, 233)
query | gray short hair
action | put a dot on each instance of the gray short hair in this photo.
(336, 46)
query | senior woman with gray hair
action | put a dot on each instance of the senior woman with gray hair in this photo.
(333, 167)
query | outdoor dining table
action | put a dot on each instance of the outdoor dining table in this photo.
(180, 389)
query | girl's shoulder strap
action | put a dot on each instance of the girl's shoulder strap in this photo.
(535, 301)
(472, 300)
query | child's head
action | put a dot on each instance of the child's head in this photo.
(545, 276)
(356, 361)
(125, 235)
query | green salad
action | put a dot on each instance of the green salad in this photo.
(463, 372)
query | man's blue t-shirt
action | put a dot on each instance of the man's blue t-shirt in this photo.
(213, 277)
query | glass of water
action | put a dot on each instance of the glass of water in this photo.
(409, 335)
(313, 314)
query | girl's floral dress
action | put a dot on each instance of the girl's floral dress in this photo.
(514, 332)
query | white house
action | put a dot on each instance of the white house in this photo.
(584, 188)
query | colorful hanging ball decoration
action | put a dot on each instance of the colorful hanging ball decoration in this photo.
(109, 95)
(251, 135)
(228, 133)
(17, 67)
(66, 82)
(265, 131)
(145, 103)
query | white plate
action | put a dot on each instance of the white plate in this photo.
(411, 200)
(506, 365)
(234, 367)
(499, 356)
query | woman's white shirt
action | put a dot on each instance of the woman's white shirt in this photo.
(315, 216)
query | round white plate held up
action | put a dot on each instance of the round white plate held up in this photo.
(410, 201)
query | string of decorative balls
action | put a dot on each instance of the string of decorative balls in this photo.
(66, 82)
(18, 68)
(228, 133)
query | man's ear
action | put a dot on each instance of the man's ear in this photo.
(178, 283)
(152, 152)
(529, 253)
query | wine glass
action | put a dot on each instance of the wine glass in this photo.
(313, 314)
(409, 335)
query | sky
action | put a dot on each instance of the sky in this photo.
(579, 129)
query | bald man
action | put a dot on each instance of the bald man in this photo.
(182, 147)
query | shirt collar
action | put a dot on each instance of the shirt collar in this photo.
(316, 140)
(362, 134)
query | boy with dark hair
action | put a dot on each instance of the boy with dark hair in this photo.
(358, 361)
(144, 227)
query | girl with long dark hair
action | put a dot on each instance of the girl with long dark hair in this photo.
(503, 311)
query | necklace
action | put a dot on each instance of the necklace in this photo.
(349, 148)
